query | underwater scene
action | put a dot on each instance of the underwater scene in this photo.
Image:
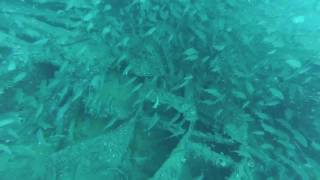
(159, 89)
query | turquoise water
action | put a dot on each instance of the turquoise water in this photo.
(159, 90)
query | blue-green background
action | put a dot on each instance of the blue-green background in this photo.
(159, 89)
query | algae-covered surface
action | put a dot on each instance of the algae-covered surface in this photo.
(159, 90)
